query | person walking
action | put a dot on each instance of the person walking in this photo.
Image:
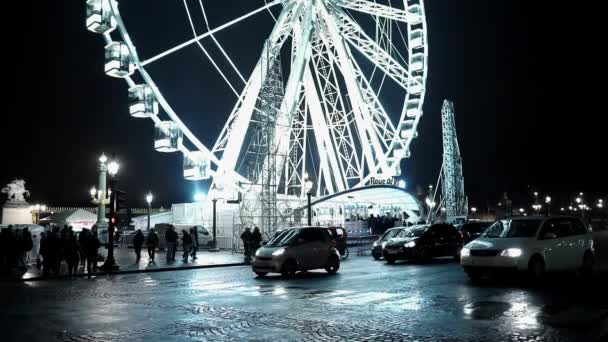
(91, 250)
(26, 246)
(186, 243)
(194, 235)
(246, 237)
(152, 243)
(256, 240)
(84, 233)
(171, 239)
(71, 250)
(138, 241)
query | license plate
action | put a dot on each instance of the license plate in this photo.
(392, 251)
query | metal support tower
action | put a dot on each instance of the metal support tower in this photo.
(452, 178)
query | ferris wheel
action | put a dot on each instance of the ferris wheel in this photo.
(326, 110)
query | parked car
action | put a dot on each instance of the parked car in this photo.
(533, 245)
(471, 230)
(297, 249)
(379, 244)
(423, 242)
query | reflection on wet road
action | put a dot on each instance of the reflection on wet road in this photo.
(366, 301)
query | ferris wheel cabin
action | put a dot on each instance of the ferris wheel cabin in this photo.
(118, 60)
(413, 108)
(142, 102)
(167, 137)
(99, 16)
(414, 14)
(416, 38)
(196, 166)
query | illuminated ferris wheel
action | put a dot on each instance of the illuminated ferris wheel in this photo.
(312, 108)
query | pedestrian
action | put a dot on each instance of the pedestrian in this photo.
(194, 235)
(26, 246)
(84, 233)
(256, 239)
(152, 243)
(138, 241)
(246, 237)
(72, 255)
(171, 240)
(91, 247)
(186, 243)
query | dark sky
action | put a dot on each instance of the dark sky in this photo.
(506, 64)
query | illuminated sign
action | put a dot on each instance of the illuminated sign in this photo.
(383, 181)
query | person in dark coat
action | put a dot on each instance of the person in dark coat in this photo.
(152, 243)
(194, 235)
(26, 246)
(186, 244)
(138, 242)
(246, 237)
(81, 242)
(71, 252)
(91, 247)
(256, 239)
(171, 240)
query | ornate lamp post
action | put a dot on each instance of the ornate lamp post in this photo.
(149, 198)
(100, 196)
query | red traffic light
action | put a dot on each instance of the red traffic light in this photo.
(113, 220)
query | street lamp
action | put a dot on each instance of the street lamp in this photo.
(578, 200)
(149, 199)
(112, 168)
(522, 211)
(473, 210)
(309, 186)
(36, 210)
(548, 202)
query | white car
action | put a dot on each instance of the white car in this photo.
(534, 245)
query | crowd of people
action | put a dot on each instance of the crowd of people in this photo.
(15, 244)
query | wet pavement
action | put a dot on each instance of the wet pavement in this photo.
(366, 301)
(125, 258)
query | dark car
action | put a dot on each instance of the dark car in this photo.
(424, 242)
(471, 230)
(388, 234)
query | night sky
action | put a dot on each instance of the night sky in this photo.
(521, 119)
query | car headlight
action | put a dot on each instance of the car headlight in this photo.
(376, 243)
(465, 252)
(278, 252)
(257, 253)
(410, 244)
(384, 244)
(511, 252)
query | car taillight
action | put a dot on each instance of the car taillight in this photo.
(462, 235)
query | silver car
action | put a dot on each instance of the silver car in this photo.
(297, 249)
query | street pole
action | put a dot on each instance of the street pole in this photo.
(309, 195)
(148, 216)
(110, 264)
(101, 196)
(214, 243)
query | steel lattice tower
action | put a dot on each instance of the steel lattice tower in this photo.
(452, 177)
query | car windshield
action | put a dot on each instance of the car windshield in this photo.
(390, 233)
(412, 232)
(283, 238)
(512, 229)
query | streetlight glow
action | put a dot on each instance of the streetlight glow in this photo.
(113, 168)
(103, 159)
(199, 197)
(578, 200)
(93, 192)
(548, 199)
(149, 197)
(473, 210)
(308, 185)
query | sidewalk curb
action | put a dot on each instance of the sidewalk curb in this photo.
(98, 274)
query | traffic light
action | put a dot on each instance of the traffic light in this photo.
(120, 200)
(114, 220)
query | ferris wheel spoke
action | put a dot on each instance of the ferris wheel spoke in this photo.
(353, 33)
(375, 9)
(369, 140)
(209, 33)
(233, 134)
(200, 45)
(294, 82)
(324, 142)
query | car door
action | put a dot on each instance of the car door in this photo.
(454, 243)
(434, 241)
(577, 243)
(304, 249)
(554, 248)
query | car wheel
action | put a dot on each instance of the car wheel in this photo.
(536, 268)
(261, 274)
(333, 265)
(588, 265)
(345, 255)
(289, 268)
(424, 254)
(389, 260)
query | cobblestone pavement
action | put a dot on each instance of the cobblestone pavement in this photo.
(366, 301)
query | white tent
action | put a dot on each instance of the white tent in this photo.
(141, 222)
(77, 218)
